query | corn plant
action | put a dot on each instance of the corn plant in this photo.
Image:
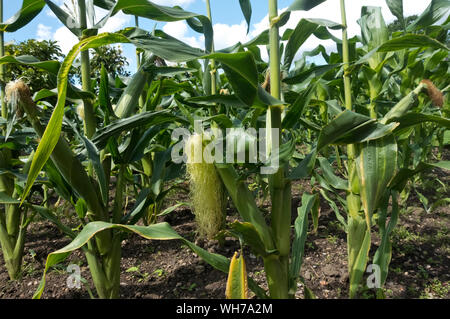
(14, 220)
(362, 109)
(101, 239)
(273, 242)
(374, 172)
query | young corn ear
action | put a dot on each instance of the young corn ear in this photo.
(16, 91)
(433, 92)
(207, 193)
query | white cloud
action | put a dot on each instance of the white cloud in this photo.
(43, 32)
(179, 30)
(227, 35)
(50, 13)
(65, 38)
(176, 29)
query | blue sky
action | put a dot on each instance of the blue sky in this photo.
(229, 23)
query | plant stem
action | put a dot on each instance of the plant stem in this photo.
(213, 62)
(89, 122)
(277, 277)
(118, 202)
(2, 67)
(347, 91)
(346, 59)
(138, 64)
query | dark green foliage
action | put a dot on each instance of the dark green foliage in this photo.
(35, 78)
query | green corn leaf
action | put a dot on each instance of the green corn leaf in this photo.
(374, 32)
(341, 125)
(323, 182)
(368, 131)
(169, 87)
(246, 8)
(65, 18)
(210, 100)
(72, 93)
(304, 29)
(237, 286)
(373, 27)
(335, 208)
(264, 99)
(159, 163)
(137, 152)
(309, 294)
(150, 10)
(51, 216)
(432, 14)
(359, 246)
(347, 128)
(62, 187)
(94, 157)
(171, 209)
(242, 63)
(396, 7)
(301, 33)
(304, 5)
(171, 71)
(6, 199)
(376, 164)
(162, 45)
(29, 10)
(240, 67)
(49, 66)
(260, 39)
(411, 41)
(241, 72)
(330, 177)
(296, 110)
(305, 167)
(142, 202)
(249, 235)
(399, 181)
(383, 254)
(411, 119)
(53, 68)
(81, 208)
(161, 231)
(301, 230)
(105, 4)
(53, 130)
(245, 203)
(102, 135)
(313, 72)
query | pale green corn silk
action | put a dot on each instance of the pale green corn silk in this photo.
(207, 193)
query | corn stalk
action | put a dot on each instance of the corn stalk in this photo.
(89, 121)
(2, 67)
(213, 61)
(277, 269)
(12, 222)
(102, 252)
